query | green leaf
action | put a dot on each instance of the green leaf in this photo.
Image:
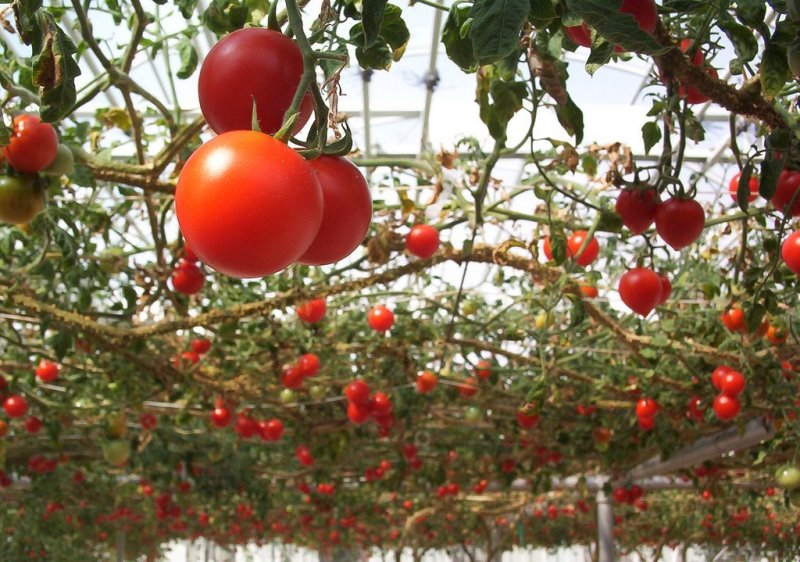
(743, 189)
(25, 14)
(329, 67)
(618, 28)
(188, 57)
(499, 101)
(459, 47)
(391, 43)
(599, 56)
(54, 68)
(651, 135)
(496, 27)
(224, 16)
(744, 41)
(542, 13)
(372, 19)
(774, 69)
(5, 134)
(571, 118)
(753, 317)
(768, 182)
(187, 7)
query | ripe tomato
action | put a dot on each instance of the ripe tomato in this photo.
(603, 435)
(20, 199)
(271, 430)
(357, 413)
(468, 387)
(201, 345)
(527, 421)
(422, 241)
(47, 371)
(666, 288)
(380, 318)
(33, 145)
(15, 406)
(679, 222)
(221, 416)
(732, 384)
(640, 290)
(790, 251)
(426, 382)
(309, 364)
(148, 421)
(357, 392)
(292, 377)
(33, 425)
(252, 65)
(187, 278)
(733, 319)
(346, 213)
(245, 426)
(644, 11)
(726, 407)
(718, 374)
(574, 243)
(248, 204)
(588, 291)
(483, 369)
(380, 404)
(776, 335)
(304, 455)
(189, 255)
(733, 187)
(312, 311)
(646, 408)
(621, 495)
(637, 208)
(788, 185)
(190, 357)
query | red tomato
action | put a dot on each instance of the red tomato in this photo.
(733, 319)
(621, 495)
(483, 369)
(252, 65)
(468, 387)
(309, 364)
(637, 208)
(726, 407)
(15, 406)
(248, 204)
(733, 187)
(190, 357)
(776, 335)
(788, 185)
(33, 145)
(148, 421)
(574, 243)
(304, 455)
(221, 416)
(527, 421)
(312, 311)
(47, 371)
(245, 426)
(189, 255)
(346, 212)
(271, 430)
(380, 404)
(33, 425)
(640, 290)
(718, 374)
(357, 392)
(733, 383)
(422, 241)
(588, 291)
(357, 413)
(187, 278)
(679, 222)
(380, 318)
(646, 408)
(790, 251)
(292, 377)
(646, 424)
(201, 345)
(696, 410)
(426, 382)
(644, 11)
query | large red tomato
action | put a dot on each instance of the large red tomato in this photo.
(644, 11)
(637, 208)
(251, 65)
(346, 214)
(790, 252)
(788, 185)
(679, 222)
(33, 146)
(248, 204)
(640, 289)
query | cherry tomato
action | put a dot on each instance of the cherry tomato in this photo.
(357, 413)
(252, 65)
(732, 384)
(646, 408)
(221, 416)
(574, 243)
(588, 291)
(20, 199)
(271, 430)
(380, 404)
(788, 185)
(790, 252)
(380, 318)
(312, 311)
(187, 278)
(47, 371)
(148, 421)
(422, 241)
(733, 319)
(33, 425)
(201, 345)
(776, 335)
(292, 377)
(357, 392)
(640, 290)
(637, 208)
(15, 406)
(733, 187)
(309, 364)
(718, 374)
(527, 421)
(483, 369)
(346, 214)
(33, 145)
(248, 204)
(304, 455)
(468, 388)
(726, 407)
(426, 382)
(679, 222)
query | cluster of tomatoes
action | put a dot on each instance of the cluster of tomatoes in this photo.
(363, 405)
(248, 204)
(646, 411)
(378, 472)
(730, 384)
(633, 495)
(246, 426)
(197, 348)
(187, 277)
(293, 376)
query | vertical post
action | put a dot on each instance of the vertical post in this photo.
(431, 80)
(605, 528)
(366, 76)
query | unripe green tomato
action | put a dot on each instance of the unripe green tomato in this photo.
(544, 320)
(117, 451)
(20, 199)
(64, 163)
(287, 396)
(788, 477)
(469, 308)
(317, 392)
